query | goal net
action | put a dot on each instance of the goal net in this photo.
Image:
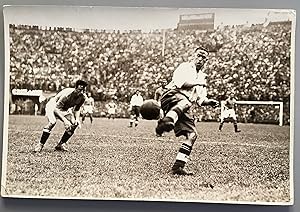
(260, 112)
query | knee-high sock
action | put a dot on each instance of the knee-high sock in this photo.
(221, 125)
(45, 136)
(67, 135)
(235, 125)
(183, 155)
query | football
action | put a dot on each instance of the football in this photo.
(150, 109)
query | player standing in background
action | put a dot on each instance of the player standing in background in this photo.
(134, 107)
(64, 106)
(88, 107)
(158, 95)
(111, 109)
(188, 86)
(228, 111)
(160, 90)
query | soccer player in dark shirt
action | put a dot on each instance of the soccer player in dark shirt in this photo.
(64, 106)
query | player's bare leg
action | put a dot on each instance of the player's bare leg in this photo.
(183, 155)
(221, 125)
(83, 118)
(131, 120)
(91, 117)
(236, 129)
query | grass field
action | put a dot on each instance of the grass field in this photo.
(109, 160)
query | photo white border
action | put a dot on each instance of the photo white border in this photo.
(10, 18)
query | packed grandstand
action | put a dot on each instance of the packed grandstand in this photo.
(253, 61)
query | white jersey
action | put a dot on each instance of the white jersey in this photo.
(88, 106)
(186, 72)
(112, 107)
(136, 100)
(89, 101)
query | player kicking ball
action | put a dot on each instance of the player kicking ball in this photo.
(188, 86)
(64, 106)
(228, 108)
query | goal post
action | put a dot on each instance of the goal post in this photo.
(279, 103)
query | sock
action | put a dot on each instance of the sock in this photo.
(235, 125)
(221, 125)
(66, 136)
(182, 156)
(173, 115)
(44, 136)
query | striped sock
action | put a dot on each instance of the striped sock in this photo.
(182, 155)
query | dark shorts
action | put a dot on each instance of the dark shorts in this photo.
(186, 122)
(135, 110)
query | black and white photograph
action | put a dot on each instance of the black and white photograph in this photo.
(149, 104)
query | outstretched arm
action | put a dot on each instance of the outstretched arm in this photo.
(209, 102)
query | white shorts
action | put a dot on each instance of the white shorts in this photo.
(88, 109)
(228, 113)
(50, 106)
(111, 111)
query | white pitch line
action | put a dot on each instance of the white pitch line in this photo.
(161, 139)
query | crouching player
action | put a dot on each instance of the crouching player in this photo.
(64, 106)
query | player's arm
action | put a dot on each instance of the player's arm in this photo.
(156, 94)
(209, 102)
(77, 116)
(63, 93)
(93, 104)
(192, 83)
(77, 112)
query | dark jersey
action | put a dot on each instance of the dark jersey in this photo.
(230, 103)
(69, 98)
(159, 92)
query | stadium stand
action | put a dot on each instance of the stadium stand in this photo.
(252, 60)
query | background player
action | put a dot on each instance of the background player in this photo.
(64, 106)
(88, 107)
(160, 90)
(111, 109)
(135, 103)
(228, 111)
(188, 86)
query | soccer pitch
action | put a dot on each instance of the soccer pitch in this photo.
(108, 160)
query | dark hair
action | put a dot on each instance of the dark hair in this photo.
(201, 48)
(80, 82)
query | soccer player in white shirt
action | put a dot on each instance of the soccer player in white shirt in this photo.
(188, 86)
(160, 91)
(88, 107)
(134, 107)
(229, 112)
(64, 106)
(111, 109)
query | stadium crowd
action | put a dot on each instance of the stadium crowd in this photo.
(253, 61)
